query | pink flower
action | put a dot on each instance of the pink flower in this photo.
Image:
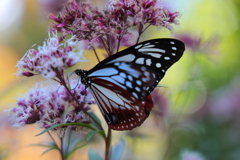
(51, 59)
(197, 44)
(225, 104)
(52, 6)
(51, 105)
(113, 23)
(161, 104)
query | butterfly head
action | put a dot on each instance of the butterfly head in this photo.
(84, 79)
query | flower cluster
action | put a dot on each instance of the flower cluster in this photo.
(51, 59)
(48, 106)
(52, 6)
(161, 102)
(111, 24)
(108, 29)
(198, 44)
(141, 12)
(225, 104)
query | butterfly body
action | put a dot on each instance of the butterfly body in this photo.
(121, 84)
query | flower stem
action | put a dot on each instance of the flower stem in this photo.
(96, 54)
(65, 85)
(118, 44)
(53, 139)
(62, 149)
(108, 144)
(105, 46)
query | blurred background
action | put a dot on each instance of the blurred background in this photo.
(196, 115)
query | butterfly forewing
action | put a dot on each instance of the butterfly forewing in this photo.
(121, 84)
(135, 78)
(157, 53)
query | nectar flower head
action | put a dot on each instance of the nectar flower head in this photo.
(142, 12)
(197, 43)
(51, 59)
(161, 103)
(86, 22)
(51, 105)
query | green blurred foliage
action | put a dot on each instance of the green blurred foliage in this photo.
(205, 129)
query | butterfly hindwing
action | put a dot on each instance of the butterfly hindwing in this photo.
(121, 110)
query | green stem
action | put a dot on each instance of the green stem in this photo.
(65, 85)
(108, 144)
(68, 137)
(53, 140)
(105, 46)
(118, 44)
(96, 54)
(62, 150)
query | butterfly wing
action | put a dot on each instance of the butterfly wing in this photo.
(131, 77)
(139, 68)
(121, 110)
(121, 84)
(164, 50)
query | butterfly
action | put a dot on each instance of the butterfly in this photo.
(121, 84)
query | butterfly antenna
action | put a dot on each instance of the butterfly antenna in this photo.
(77, 82)
(70, 74)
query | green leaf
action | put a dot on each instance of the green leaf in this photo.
(93, 155)
(75, 149)
(45, 145)
(101, 132)
(91, 134)
(47, 151)
(117, 150)
(50, 145)
(53, 144)
(97, 119)
(66, 124)
(74, 142)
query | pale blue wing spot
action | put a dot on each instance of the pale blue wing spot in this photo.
(149, 62)
(130, 71)
(152, 50)
(104, 72)
(122, 74)
(113, 81)
(129, 84)
(140, 60)
(130, 77)
(148, 45)
(156, 55)
(125, 58)
(119, 79)
(139, 82)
